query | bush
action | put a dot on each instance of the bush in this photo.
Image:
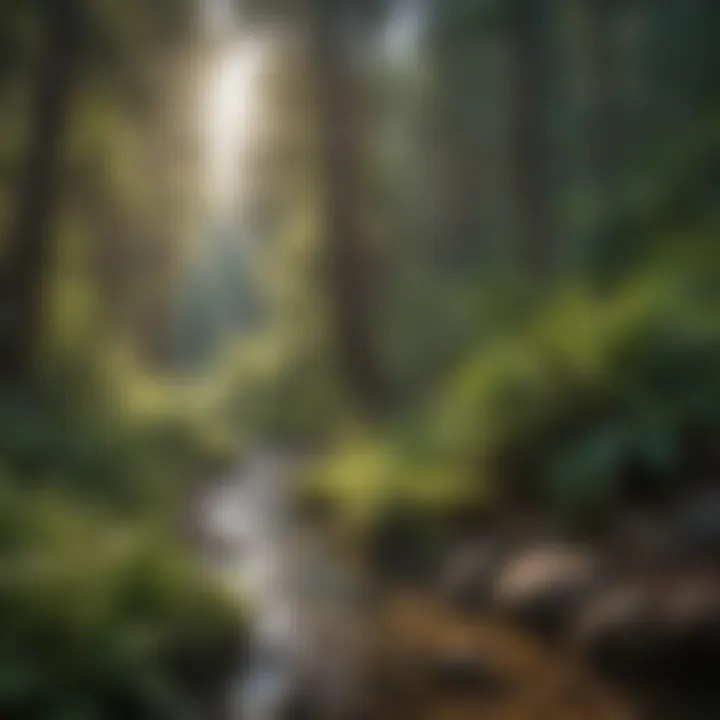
(594, 388)
(591, 394)
(104, 620)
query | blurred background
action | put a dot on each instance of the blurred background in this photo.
(436, 282)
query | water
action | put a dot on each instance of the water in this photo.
(296, 589)
(301, 596)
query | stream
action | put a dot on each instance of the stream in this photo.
(302, 649)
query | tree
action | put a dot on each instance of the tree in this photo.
(29, 252)
(603, 111)
(529, 152)
(348, 265)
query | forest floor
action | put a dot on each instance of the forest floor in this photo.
(430, 663)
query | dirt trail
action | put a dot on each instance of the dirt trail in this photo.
(432, 664)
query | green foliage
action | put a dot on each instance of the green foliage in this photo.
(101, 619)
(367, 480)
(136, 440)
(559, 411)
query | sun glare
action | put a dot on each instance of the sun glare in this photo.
(231, 110)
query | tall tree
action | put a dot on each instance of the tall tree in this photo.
(349, 270)
(28, 253)
(530, 70)
(602, 111)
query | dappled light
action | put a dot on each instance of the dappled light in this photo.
(359, 359)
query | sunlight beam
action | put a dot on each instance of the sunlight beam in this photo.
(231, 110)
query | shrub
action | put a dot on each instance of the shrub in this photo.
(592, 387)
(590, 394)
(104, 620)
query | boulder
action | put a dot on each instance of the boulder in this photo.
(617, 633)
(543, 587)
(655, 633)
(689, 614)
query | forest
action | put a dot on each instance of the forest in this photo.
(455, 264)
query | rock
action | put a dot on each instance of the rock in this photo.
(690, 620)
(662, 633)
(617, 632)
(467, 578)
(543, 587)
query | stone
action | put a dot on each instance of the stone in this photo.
(690, 621)
(617, 633)
(662, 632)
(543, 587)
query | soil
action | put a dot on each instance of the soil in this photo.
(429, 663)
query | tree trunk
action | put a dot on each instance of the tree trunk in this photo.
(348, 268)
(602, 113)
(29, 248)
(529, 154)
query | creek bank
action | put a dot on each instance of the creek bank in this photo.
(639, 603)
